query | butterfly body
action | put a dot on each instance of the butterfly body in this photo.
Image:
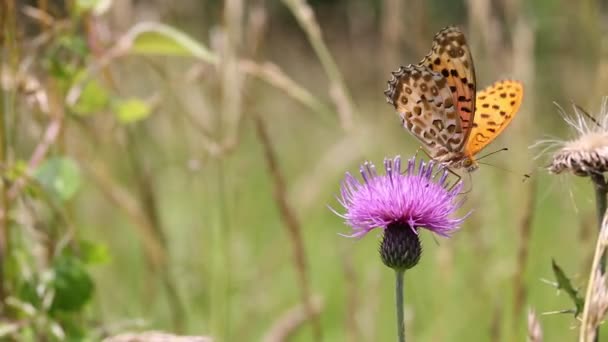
(437, 102)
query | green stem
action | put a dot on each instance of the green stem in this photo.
(601, 188)
(399, 305)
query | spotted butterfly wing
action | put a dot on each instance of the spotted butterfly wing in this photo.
(497, 105)
(438, 105)
(451, 57)
(425, 103)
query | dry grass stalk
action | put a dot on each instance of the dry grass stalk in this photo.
(292, 224)
(8, 39)
(598, 304)
(257, 25)
(525, 232)
(596, 297)
(306, 18)
(535, 331)
(291, 321)
(484, 22)
(156, 336)
(38, 98)
(232, 78)
(153, 248)
(274, 76)
(392, 29)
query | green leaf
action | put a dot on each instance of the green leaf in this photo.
(92, 253)
(72, 284)
(72, 44)
(131, 110)
(27, 293)
(94, 98)
(60, 176)
(98, 7)
(16, 171)
(150, 38)
(564, 283)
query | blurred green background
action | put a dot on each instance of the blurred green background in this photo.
(155, 173)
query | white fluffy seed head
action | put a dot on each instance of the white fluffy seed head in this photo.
(587, 151)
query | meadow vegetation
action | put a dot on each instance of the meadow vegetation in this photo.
(168, 165)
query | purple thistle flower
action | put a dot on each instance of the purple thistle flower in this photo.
(417, 198)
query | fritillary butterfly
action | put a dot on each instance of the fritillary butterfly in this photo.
(437, 102)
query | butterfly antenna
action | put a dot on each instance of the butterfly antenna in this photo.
(589, 116)
(491, 153)
(525, 175)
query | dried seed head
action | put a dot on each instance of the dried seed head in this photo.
(581, 163)
(587, 152)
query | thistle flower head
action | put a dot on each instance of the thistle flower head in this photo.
(587, 152)
(400, 203)
(418, 198)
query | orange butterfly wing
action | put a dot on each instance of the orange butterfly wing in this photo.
(497, 105)
(451, 57)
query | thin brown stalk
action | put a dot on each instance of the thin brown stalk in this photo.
(523, 250)
(287, 325)
(226, 124)
(392, 30)
(265, 71)
(146, 191)
(232, 78)
(292, 224)
(495, 324)
(306, 18)
(10, 53)
(484, 23)
(275, 76)
(153, 249)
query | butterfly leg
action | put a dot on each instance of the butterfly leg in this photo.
(458, 177)
(420, 148)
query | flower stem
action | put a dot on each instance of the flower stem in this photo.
(399, 305)
(601, 189)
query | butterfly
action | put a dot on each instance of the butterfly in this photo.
(439, 105)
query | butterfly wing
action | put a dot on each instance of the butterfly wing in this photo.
(451, 57)
(497, 105)
(424, 101)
